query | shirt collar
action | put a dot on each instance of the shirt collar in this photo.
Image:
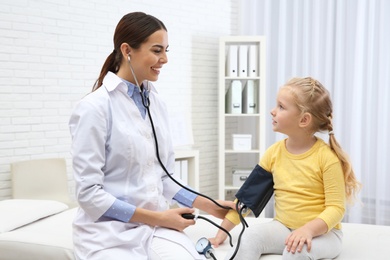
(112, 81)
(131, 88)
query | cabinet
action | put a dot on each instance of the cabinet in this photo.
(242, 109)
(192, 159)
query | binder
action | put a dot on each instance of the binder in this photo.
(249, 98)
(243, 61)
(253, 61)
(233, 98)
(232, 61)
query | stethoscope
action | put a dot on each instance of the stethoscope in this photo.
(203, 246)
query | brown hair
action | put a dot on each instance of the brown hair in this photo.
(133, 29)
(312, 97)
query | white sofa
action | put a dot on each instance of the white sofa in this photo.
(51, 237)
(35, 230)
(43, 230)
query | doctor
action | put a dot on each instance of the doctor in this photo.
(123, 192)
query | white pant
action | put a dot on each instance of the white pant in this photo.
(268, 238)
(163, 249)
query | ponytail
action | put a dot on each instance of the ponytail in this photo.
(352, 185)
(111, 64)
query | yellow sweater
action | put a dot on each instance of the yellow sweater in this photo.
(307, 186)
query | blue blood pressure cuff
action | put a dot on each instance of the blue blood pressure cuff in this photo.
(256, 191)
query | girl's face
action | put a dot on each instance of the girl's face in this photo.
(150, 57)
(286, 115)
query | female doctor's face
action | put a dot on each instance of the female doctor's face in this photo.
(148, 60)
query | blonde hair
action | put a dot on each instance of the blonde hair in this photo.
(312, 97)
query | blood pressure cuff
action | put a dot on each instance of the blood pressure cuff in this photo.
(257, 190)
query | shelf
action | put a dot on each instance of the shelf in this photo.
(242, 115)
(241, 78)
(231, 187)
(239, 86)
(192, 156)
(241, 151)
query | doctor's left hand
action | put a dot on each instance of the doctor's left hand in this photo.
(171, 218)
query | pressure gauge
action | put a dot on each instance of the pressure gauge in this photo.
(203, 246)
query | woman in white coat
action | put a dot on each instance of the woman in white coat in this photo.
(123, 192)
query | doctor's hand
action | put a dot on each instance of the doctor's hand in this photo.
(219, 212)
(213, 209)
(171, 218)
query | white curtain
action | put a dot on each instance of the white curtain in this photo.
(345, 44)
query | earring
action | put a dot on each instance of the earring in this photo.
(128, 57)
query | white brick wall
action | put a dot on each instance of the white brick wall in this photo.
(52, 51)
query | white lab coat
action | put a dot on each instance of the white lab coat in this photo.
(114, 156)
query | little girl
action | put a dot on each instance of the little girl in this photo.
(312, 181)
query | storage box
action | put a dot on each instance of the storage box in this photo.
(242, 142)
(240, 176)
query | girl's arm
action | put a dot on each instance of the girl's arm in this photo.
(221, 236)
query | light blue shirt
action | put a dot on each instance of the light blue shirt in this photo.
(135, 94)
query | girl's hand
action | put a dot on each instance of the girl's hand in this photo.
(304, 235)
(221, 236)
(297, 239)
(218, 239)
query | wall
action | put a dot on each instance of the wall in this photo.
(52, 51)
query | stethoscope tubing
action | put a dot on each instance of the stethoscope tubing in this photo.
(146, 104)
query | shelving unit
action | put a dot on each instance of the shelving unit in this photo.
(238, 123)
(192, 156)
